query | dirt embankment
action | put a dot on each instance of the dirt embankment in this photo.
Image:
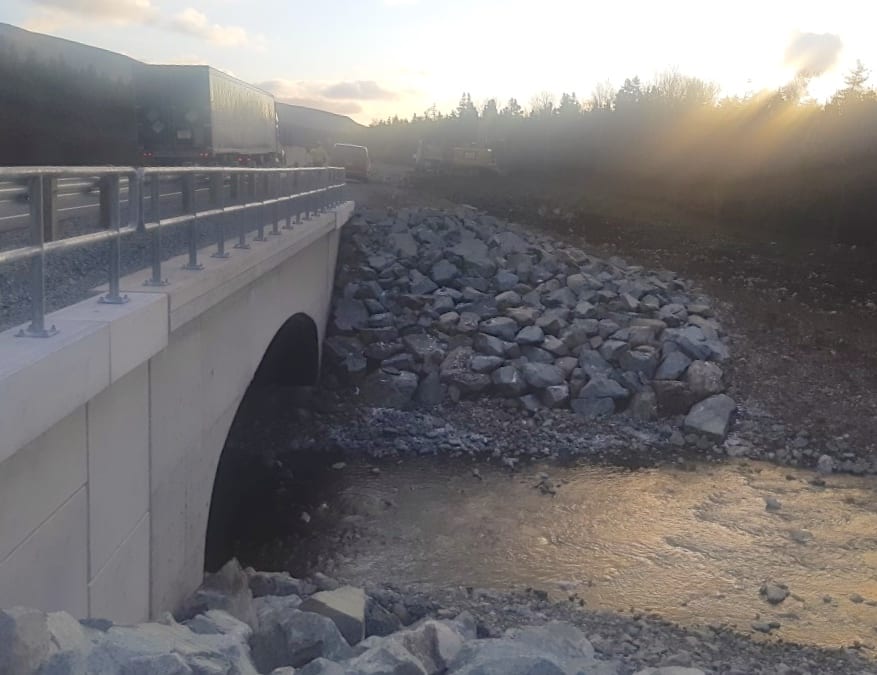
(802, 314)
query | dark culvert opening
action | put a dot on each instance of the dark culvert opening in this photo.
(251, 488)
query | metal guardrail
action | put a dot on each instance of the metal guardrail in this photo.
(276, 194)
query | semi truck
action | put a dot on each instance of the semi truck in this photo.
(64, 103)
(191, 115)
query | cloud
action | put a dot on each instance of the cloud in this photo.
(310, 94)
(811, 54)
(359, 89)
(192, 22)
(53, 14)
(120, 11)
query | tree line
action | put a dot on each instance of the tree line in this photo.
(776, 159)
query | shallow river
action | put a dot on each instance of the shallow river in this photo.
(693, 545)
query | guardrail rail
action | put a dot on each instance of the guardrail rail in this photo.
(275, 194)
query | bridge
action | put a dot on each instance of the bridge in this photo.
(114, 410)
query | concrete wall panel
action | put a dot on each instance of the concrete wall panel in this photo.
(40, 477)
(118, 463)
(49, 571)
(120, 591)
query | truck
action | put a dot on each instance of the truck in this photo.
(197, 115)
(441, 159)
(64, 103)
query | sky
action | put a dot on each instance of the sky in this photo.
(374, 58)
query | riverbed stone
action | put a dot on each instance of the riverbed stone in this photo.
(704, 379)
(673, 366)
(350, 314)
(345, 606)
(286, 636)
(593, 408)
(24, 636)
(488, 344)
(508, 381)
(542, 375)
(711, 417)
(502, 327)
(601, 386)
(530, 335)
(555, 396)
(444, 272)
(481, 363)
(507, 299)
(390, 389)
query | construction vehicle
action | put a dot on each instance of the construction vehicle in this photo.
(467, 160)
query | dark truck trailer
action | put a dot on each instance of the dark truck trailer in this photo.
(199, 115)
(64, 103)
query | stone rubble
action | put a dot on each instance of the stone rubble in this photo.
(342, 630)
(436, 306)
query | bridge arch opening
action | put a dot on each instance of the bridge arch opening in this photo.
(241, 497)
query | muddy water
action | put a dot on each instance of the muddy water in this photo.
(692, 545)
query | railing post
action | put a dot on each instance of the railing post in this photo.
(217, 201)
(236, 199)
(288, 191)
(135, 200)
(297, 181)
(37, 327)
(274, 193)
(188, 189)
(155, 235)
(260, 209)
(109, 204)
(51, 226)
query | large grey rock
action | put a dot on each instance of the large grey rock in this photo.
(501, 327)
(350, 314)
(488, 344)
(430, 391)
(674, 397)
(530, 335)
(391, 390)
(435, 644)
(592, 408)
(593, 363)
(425, 348)
(388, 657)
(601, 386)
(481, 363)
(227, 590)
(562, 297)
(644, 405)
(345, 606)
(286, 636)
(505, 281)
(642, 359)
(673, 366)
(24, 640)
(444, 272)
(508, 381)
(504, 657)
(169, 649)
(711, 416)
(507, 299)
(403, 244)
(704, 378)
(555, 396)
(422, 285)
(670, 670)
(509, 242)
(380, 621)
(673, 314)
(558, 638)
(318, 666)
(542, 375)
(524, 316)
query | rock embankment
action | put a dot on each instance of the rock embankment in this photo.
(434, 306)
(245, 622)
